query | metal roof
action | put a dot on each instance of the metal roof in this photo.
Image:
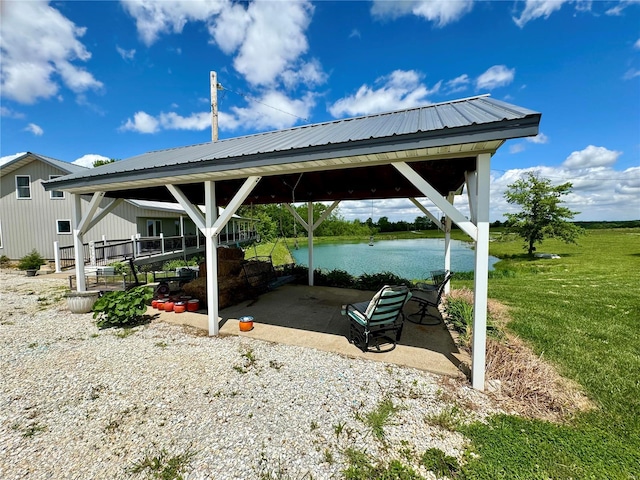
(458, 129)
(29, 157)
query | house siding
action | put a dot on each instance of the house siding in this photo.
(29, 224)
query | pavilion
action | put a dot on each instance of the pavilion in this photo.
(434, 151)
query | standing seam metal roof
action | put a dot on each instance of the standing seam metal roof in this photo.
(435, 118)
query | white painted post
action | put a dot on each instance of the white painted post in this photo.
(211, 244)
(104, 240)
(479, 341)
(92, 253)
(81, 284)
(56, 256)
(310, 240)
(447, 244)
(133, 246)
(161, 242)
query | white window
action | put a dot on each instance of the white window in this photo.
(23, 186)
(54, 194)
(63, 227)
(154, 227)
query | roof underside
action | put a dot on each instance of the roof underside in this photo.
(343, 160)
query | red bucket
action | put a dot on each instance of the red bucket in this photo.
(193, 305)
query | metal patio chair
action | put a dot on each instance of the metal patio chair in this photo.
(376, 326)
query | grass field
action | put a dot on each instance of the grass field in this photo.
(582, 313)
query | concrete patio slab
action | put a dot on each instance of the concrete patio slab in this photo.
(310, 317)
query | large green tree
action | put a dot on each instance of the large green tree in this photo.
(542, 215)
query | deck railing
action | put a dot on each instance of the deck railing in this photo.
(105, 252)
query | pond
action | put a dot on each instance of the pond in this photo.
(411, 259)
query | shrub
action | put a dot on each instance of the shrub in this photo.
(459, 314)
(376, 281)
(117, 309)
(31, 261)
(4, 261)
(340, 278)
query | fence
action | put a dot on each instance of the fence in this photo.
(105, 252)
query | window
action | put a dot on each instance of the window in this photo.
(55, 193)
(63, 227)
(23, 186)
(154, 227)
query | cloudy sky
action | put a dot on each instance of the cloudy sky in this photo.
(88, 80)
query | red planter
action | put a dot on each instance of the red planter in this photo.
(179, 307)
(193, 305)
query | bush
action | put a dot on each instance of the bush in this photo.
(376, 281)
(460, 316)
(117, 309)
(31, 261)
(4, 261)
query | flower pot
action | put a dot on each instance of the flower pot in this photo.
(31, 273)
(179, 307)
(160, 304)
(82, 302)
(168, 306)
(154, 303)
(245, 323)
(193, 305)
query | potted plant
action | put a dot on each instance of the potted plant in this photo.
(31, 262)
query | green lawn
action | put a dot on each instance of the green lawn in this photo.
(582, 312)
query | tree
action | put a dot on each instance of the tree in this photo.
(541, 215)
(100, 162)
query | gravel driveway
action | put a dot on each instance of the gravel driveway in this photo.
(82, 403)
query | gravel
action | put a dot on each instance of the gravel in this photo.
(81, 403)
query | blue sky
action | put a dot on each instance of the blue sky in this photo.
(86, 80)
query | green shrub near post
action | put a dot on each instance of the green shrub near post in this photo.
(117, 309)
(31, 262)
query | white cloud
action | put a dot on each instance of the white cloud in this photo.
(458, 84)
(538, 8)
(196, 121)
(35, 129)
(88, 159)
(9, 113)
(126, 54)
(541, 138)
(516, 148)
(401, 89)
(8, 158)
(637, 44)
(440, 12)
(630, 74)
(142, 123)
(38, 45)
(591, 157)
(273, 40)
(355, 33)
(620, 7)
(496, 76)
(154, 18)
(267, 38)
(272, 110)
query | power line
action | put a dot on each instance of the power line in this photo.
(251, 99)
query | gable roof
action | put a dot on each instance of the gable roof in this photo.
(456, 131)
(28, 157)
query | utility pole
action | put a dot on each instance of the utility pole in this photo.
(215, 86)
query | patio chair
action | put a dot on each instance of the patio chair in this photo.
(428, 295)
(376, 326)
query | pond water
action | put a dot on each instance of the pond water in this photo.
(411, 259)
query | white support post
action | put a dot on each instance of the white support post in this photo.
(81, 284)
(161, 242)
(103, 213)
(211, 248)
(56, 256)
(481, 274)
(92, 253)
(447, 244)
(310, 240)
(471, 179)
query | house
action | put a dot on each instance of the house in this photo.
(32, 218)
